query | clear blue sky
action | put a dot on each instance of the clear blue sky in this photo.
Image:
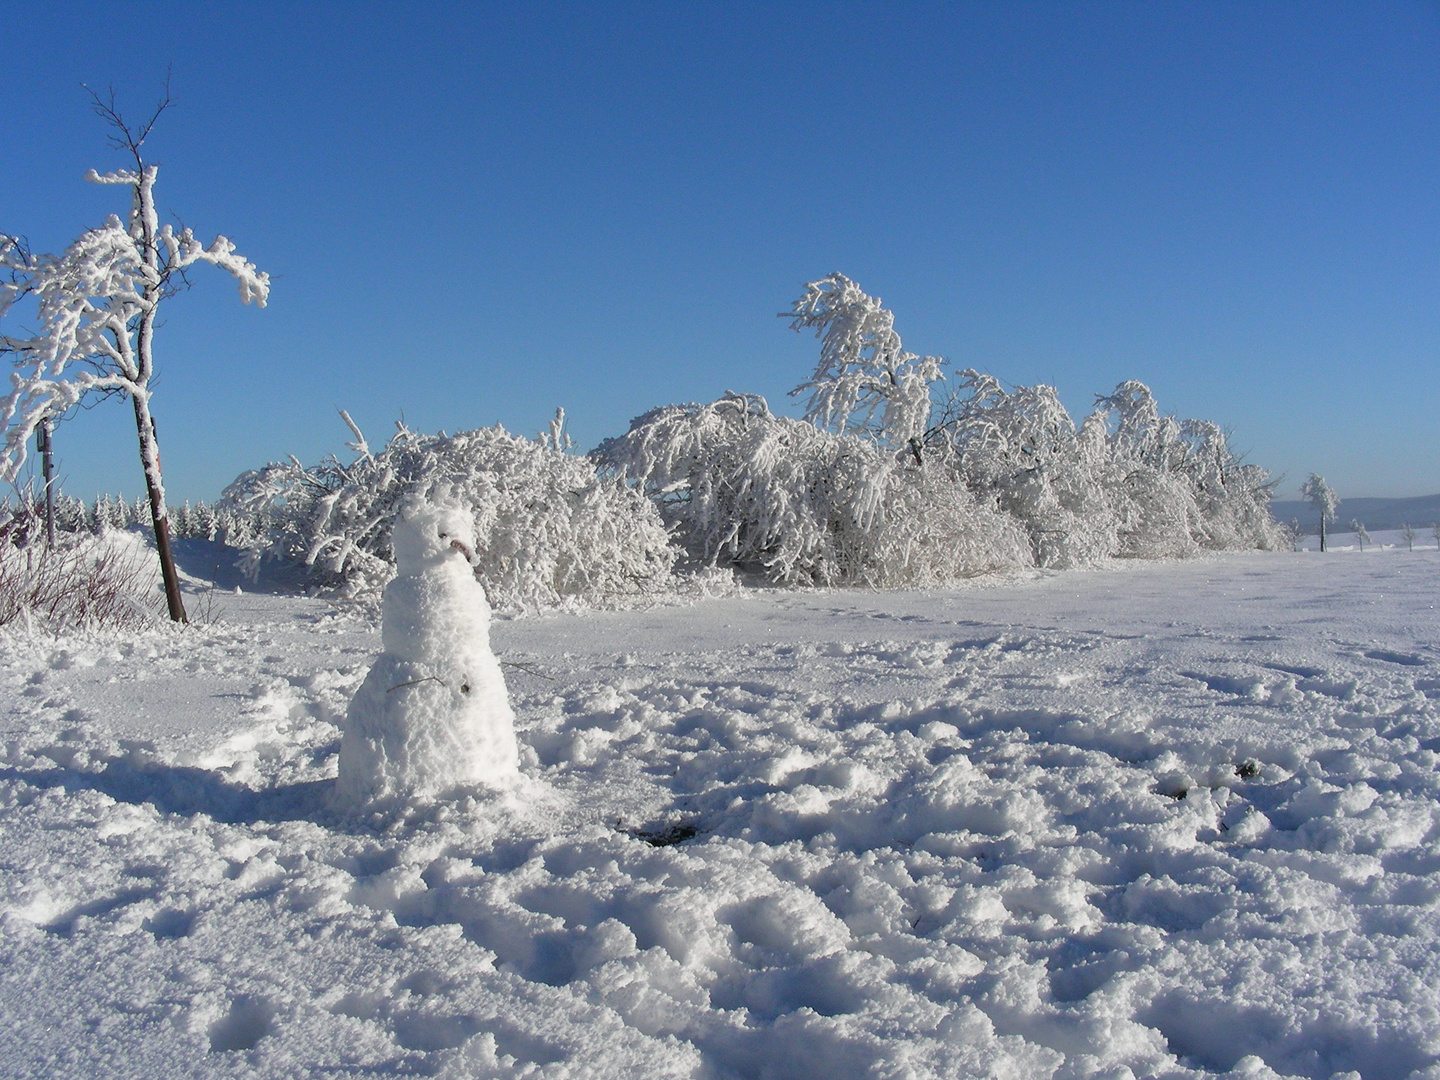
(475, 212)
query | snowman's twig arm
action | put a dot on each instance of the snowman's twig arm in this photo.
(527, 669)
(417, 682)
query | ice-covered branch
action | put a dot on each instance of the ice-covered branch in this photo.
(184, 250)
(865, 380)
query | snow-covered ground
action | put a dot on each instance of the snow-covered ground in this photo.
(1170, 820)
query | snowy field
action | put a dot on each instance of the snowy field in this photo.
(1173, 820)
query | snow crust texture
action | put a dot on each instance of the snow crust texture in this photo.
(1158, 820)
(432, 714)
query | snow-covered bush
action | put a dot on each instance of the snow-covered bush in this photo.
(1021, 452)
(1233, 498)
(798, 505)
(1182, 475)
(549, 530)
(1129, 482)
(82, 583)
(874, 487)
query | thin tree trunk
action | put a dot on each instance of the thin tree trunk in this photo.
(159, 516)
(1322, 532)
(144, 215)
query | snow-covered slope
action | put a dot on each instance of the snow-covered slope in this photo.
(1154, 820)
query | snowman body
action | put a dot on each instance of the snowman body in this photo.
(432, 714)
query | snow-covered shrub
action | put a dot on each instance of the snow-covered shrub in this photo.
(549, 530)
(1187, 489)
(798, 505)
(71, 515)
(82, 583)
(1021, 452)
(875, 487)
(1129, 482)
(1233, 498)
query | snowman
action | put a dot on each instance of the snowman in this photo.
(432, 715)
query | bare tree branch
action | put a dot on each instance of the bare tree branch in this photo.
(124, 137)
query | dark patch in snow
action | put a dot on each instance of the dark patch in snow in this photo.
(667, 834)
(248, 1021)
(64, 926)
(1298, 670)
(1404, 659)
(170, 923)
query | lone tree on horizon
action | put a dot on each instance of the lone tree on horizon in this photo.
(1321, 496)
(96, 309)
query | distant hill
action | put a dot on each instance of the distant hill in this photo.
(1372, 513)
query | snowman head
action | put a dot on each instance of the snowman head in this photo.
(429, 532)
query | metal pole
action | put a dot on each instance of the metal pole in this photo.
(47, 470)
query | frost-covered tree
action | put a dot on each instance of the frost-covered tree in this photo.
(865, 382)
(1361, 536)
(71, 514)
(1407, 533)
(1322, 496)
(96, 311)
